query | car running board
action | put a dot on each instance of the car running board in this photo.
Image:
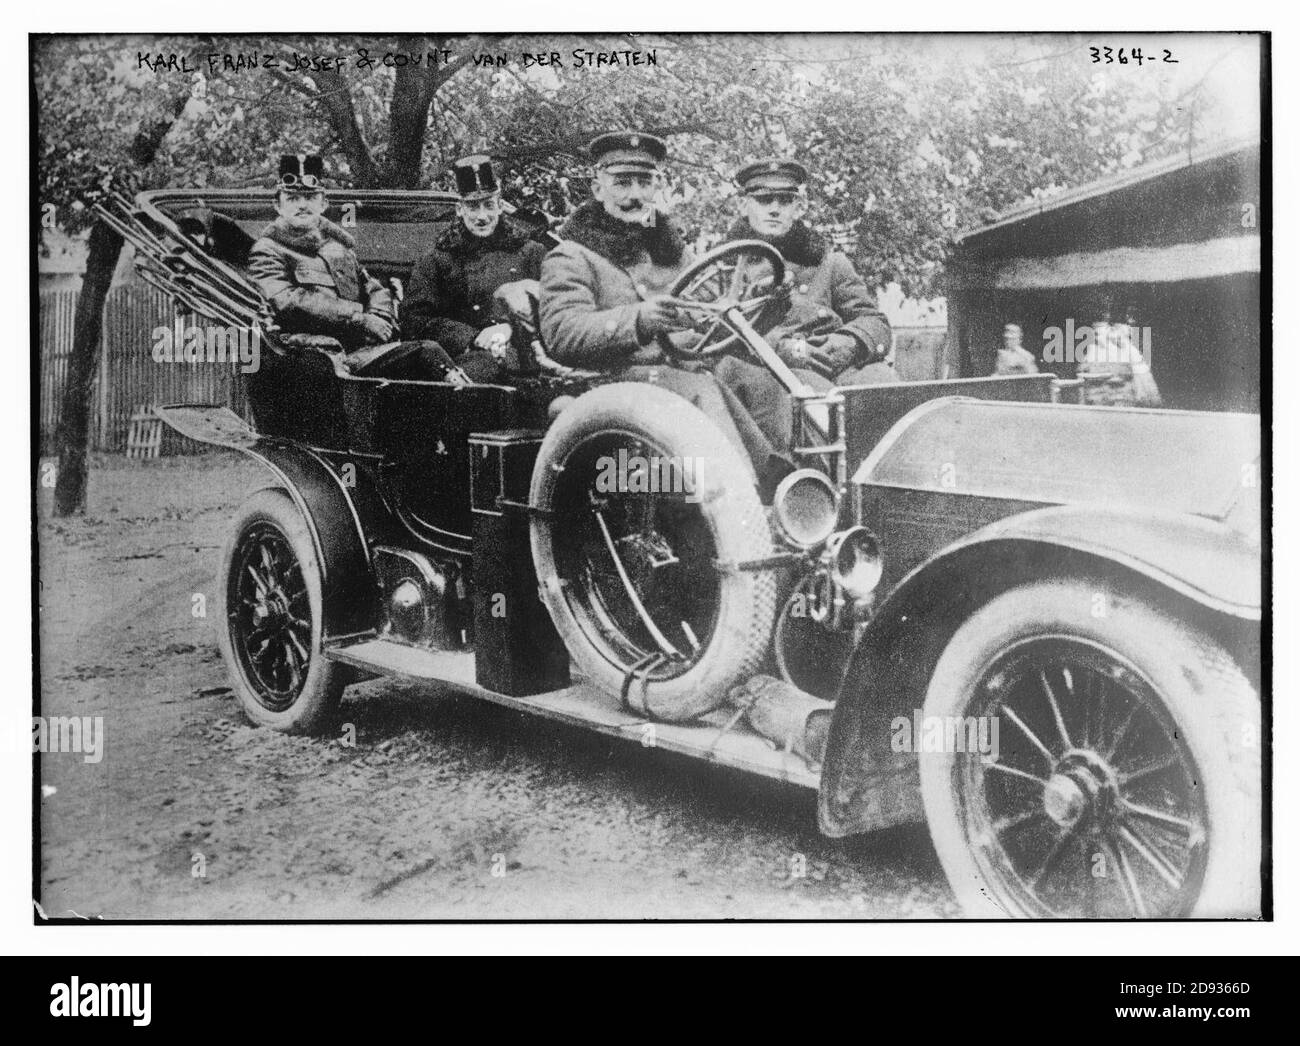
(713, 738)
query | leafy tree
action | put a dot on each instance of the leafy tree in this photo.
(908, 140)
(96, 134)
(108, 124)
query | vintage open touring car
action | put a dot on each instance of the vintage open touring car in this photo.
(951, 555)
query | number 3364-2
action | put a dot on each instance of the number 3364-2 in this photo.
(1124, 56)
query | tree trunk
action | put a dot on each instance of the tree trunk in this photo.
(104, 248)
(408, 116)
(73, 434)
(335, 98)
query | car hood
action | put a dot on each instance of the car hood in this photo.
(1194, 462)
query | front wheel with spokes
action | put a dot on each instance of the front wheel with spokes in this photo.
(1092, 766)
(271, 613)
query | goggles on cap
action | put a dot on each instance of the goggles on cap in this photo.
(300, 181)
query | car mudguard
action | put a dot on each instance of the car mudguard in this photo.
(1204, 567)
(349, 588)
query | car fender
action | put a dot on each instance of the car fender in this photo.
(348, 586)
(1204, 566)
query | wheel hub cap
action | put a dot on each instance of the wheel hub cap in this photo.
(1079, 787)
(270, 612)
(1064, 800)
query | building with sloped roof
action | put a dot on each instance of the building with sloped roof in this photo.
(1176, 245)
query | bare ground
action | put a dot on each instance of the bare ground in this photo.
(446, 807)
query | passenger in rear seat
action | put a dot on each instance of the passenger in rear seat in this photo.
(453, 293)
(307, 269)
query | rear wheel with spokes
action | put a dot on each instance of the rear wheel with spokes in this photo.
(1111, 764)
(271, 618)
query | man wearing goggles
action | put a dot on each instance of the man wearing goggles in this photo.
(307, 268)
(291, 181)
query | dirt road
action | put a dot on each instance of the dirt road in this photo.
(444, 807)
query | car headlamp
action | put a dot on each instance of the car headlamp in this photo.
(805, 508)
(855, 562)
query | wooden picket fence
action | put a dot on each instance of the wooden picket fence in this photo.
(130, 383)
(128, 380)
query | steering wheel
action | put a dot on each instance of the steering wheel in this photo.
(747, 273)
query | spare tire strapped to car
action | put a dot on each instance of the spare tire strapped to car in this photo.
(655, 609)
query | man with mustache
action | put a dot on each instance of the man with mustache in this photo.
(604, 301)
(450, 298)
(307, 269)
(604, 288)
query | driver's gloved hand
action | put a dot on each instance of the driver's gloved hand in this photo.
(793, 351)
(831, 354)
(683, 341)
(656, 315)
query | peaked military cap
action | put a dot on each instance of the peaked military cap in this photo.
(627, 152)
(475, 179)
(772, 176)
(302, 171)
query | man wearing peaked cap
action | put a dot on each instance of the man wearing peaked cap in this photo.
(830, 331)
(307, 269)
(831, 326)
(604, 302)
(454, 288)
(603, 288)
(772, 176)
(623, 152)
